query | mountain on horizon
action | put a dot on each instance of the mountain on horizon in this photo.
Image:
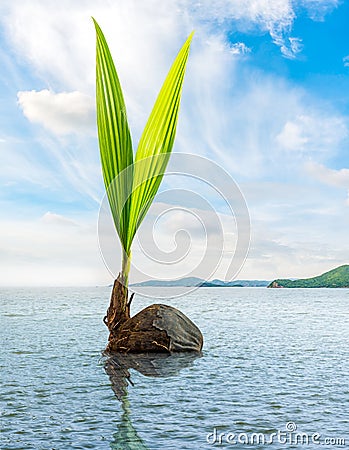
(335, 278)
(199, 282)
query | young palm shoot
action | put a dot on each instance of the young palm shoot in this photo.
(131, 184)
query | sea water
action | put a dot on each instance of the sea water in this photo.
(275, 363)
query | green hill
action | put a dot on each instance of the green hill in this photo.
(193, 281)
(336, 278)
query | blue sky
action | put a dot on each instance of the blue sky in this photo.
(266, 96)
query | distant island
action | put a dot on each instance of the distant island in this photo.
(336, 278)
(198, 282)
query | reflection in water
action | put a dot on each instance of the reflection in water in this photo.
(126, 438)
(151, 365)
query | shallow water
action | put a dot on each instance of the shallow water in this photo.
(271, 357)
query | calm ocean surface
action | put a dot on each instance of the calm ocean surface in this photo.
(271, 357)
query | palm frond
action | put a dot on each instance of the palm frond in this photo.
(130, 187)
(156, 142)
(114, 136)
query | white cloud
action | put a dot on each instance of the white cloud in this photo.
(346, 61)
(20, 164)
(58, 40)
(61, 113)
(54, 219)
(265, 13)
(318, 9)
(67, 167)
(332, 177)
(292, 137)
(251, 122)
(295, 46)
(273, 16)
(271, 258)
(35, 253)
(297, 230)
(313, 133)
(239, 48)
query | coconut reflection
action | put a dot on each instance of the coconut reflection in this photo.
(151, 365)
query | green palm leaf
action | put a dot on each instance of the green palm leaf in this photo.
(114, 136)
(156, 142)
(130, 187)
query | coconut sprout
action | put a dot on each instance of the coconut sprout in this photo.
(131, 182)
